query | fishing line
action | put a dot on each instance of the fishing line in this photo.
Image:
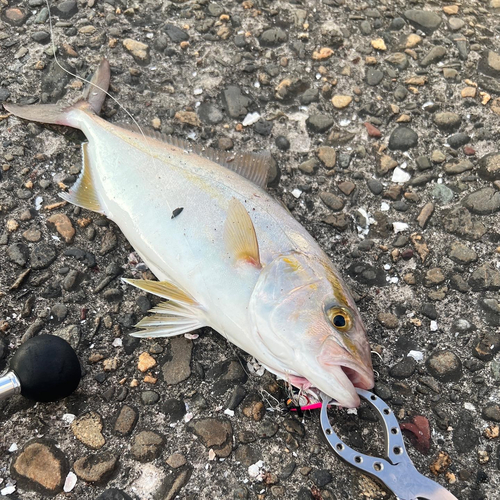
(54, 50)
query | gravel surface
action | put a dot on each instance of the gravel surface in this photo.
(383, 119)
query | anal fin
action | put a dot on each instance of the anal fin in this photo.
(180, 314)
(83, 193)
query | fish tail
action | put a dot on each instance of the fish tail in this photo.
(60, 114)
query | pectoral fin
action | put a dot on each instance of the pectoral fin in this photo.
(239, 235)
(83, 193)
(181, 314)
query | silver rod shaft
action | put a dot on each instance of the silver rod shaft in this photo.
(9, 385)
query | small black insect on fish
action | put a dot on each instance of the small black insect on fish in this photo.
(176, 212)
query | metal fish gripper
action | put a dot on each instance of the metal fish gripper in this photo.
(396, 471)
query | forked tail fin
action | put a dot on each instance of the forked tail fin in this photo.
(60, 114)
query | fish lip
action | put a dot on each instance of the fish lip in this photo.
(360, 376)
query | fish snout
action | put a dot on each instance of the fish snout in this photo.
(355, 365)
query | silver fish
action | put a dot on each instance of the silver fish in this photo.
(233, 258)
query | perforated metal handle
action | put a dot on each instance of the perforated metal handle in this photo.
(397, 472)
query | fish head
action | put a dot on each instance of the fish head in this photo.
(306, 320)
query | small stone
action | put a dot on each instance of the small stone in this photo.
(176, 460)
(113, 494)
(341, 101)
(340, 221)
(385, 164)
(404, 369)
(178, 367)
(373, 76)
(458, 168)
(273, 37)
(403, 139)
(372, 131)
(88, 430)
(33, 235)
(442, 194)
(433, 56)
(469, 92)
(319, 123)
(485, 277)
(188, 117)
(322, 54)
(138, 50)
(412, 41)
(379, 44)
(63, 226)
(462, 254)
(67, 9)
(438, 157)
(489, 167)
(450, 9)
(487, 346)
(445, 366)
(434, 276)
(125, 421)
(332, 201)
(485, 201)
(388, 320)
(491, 412)
(146, 362)
(214, 433)
(347, 187)
(442, 462)
(177, 35)
(40, 466)
(457, 140)
(235, 102)
(321, 477)
(309, 166)
(12, 225)
(425, 214)
(424, 20)
(253, 408)
(465, 434)
(95, 468)
(146, 446)
(282, 143)
(18, 253)
(209, 113)
(447, 120)
(489, 64)
(15, 16)
(327, 156)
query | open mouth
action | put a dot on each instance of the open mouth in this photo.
(343, 389)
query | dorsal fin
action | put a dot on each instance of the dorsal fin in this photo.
(252, 166)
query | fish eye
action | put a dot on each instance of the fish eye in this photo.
(339, 321)
(340, 318)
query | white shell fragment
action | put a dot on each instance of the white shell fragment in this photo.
(70, 482)
(250, 119)
(400, 175)
(416, 355)
(399, 227)
(255, 470)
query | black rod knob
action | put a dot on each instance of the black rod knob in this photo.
(46, 368)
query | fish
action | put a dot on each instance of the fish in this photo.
(226, 254)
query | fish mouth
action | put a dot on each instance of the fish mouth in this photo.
(341, 386)
(347, 379)
(346, 372)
